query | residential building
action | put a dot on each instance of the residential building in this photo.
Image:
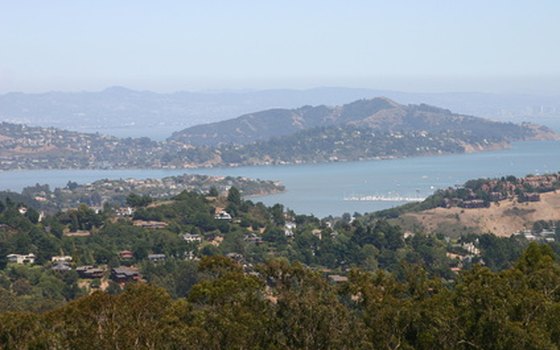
(126, 255)
(192, 238)
(21, 258)
(222, 215)
(90, 272)
(124, 274)
(156, 257)
(61, 266)
(61, 258)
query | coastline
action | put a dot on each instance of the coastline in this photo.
(467, 149)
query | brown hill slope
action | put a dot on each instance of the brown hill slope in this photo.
(502, 218)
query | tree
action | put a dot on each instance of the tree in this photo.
(136, 201)
(234, 196)
(32, 215)
(308, 313)
(213, 192)
(230, 306)
(277, 212)
(71, 185)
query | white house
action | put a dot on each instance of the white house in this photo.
(289, 228)
(190, 238)
(471, 248)
(21, 258)
(126, 211)
(59, 258)
(222, 215)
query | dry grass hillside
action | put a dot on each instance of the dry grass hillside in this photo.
(502, 218)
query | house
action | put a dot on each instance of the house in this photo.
(253, 238)
(61, 258)
(190, 255)
(21, 258)
(61, 266)
(22, 210)
(150, 224)
(288, 233)
(236, 256)
(78, 233)
(90, 272)
(456, 269)
(222, 215)
(156, 257)
(289, 229)
(126, 211)
(190, 238)
(471, 248)
(496, 196)
(338, 278)
(473, 204)
(124, 274)
(126, 255)
(548, 232)
(317, 233)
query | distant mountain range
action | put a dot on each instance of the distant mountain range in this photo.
(364, 129)
(130, 113)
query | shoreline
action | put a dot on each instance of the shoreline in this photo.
(468, 149)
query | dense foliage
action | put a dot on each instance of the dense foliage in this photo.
(287, 306)
(255, 235)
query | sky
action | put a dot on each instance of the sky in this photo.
(169, 45)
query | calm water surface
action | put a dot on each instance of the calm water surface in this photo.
(320, 189)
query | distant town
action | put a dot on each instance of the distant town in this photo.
(116, 192)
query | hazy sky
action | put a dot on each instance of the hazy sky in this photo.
(427, 45)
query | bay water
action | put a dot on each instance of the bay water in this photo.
(321, 189)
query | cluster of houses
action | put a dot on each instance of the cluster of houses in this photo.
(544, 236)
(526, 189)
(470, 252)
(220, 214)
(64, 263)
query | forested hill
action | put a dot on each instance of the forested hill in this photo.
(379, 114)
